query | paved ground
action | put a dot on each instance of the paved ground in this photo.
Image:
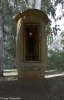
(53, 88)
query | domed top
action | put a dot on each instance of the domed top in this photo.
(31, 12)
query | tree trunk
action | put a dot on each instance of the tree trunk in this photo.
(1, 44)
(38, 4)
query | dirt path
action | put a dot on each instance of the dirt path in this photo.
(53, 88)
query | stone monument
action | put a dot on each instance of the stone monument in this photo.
(31, 46)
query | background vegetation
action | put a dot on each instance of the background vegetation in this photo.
(9, 9)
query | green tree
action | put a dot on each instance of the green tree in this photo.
(12, 7)
(62, 40)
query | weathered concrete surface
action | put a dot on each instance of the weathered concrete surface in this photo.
(30, 73)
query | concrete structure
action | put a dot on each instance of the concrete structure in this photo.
(31, 49)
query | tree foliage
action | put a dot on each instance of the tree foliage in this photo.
(55, 60)
(9, 9)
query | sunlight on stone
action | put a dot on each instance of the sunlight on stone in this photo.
(53, 75)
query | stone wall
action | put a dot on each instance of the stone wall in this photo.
(30, 72)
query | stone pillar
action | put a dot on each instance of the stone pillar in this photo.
(1, 44)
